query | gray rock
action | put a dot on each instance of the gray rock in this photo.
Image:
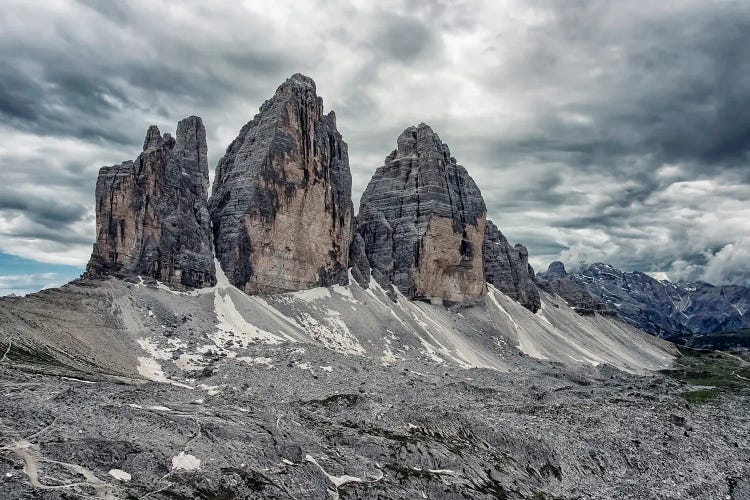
(422, 221)
(281, 203)
(507, 268)
(373, 399)
(556, 280)
(556, 270)
(663, 308)
(152, 216)
(358, 261)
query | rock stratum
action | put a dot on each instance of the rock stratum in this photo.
(151, 214)
(422, 221)
(281, 203)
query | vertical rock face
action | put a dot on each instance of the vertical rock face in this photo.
(151, 214)
(281, 203)
(507, 268)
(422, 221)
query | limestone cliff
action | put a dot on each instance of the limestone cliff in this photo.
(151, 214)
(281, 203)
(422, 220)
(507, 268)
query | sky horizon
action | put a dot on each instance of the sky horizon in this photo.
(609, 132)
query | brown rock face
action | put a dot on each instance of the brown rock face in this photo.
(281, 204)
(151, 214)
(422, 221)
(446, 272)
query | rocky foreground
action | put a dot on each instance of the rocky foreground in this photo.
(298, 422)
(130, 390)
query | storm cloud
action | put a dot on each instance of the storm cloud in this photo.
(596, 130)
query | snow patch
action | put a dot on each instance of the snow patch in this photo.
(257, 360)
(185, 461)
(119, 474)
(339, 481)
(189, 362)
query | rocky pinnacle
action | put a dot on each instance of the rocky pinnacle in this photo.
(507, 268)
(422, 222)
(281, 203)
(151, 214)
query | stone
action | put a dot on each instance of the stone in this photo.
(556, 270)
(360, 265)
(557, 281)
(507, 268)
(281, 203)
(422, 220)
(678, 310)
(152, 216)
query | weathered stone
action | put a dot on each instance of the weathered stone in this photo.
(151, 215)
(660, 307)
(556, 280)
(507, 268)
(360, 265)
(422, 221)
(281, 204)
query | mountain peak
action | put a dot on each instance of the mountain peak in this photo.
(422, 219)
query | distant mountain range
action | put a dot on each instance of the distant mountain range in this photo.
(661, 307)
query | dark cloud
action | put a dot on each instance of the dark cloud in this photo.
(596, 130)
(403, 38)
(50, 213)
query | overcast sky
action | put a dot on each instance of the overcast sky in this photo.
(597, 131)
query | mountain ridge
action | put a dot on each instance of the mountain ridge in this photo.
(661, 307)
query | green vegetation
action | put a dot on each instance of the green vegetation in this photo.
(700, 396)
(722, 341)
(20, 354)
(710, 372)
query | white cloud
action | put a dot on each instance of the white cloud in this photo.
(596, 130)
(21, 284)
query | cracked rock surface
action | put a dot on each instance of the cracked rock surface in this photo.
(422, 220)
(281, 203)
(151, 214)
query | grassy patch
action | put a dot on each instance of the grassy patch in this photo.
(713, 372)
(700, 396)
(22, 355)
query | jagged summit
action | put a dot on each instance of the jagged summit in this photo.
(659, 307)
(151, 214)
(555, 270)
(301, 80)
(422, 219)
(281, 204)
(507, 268)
